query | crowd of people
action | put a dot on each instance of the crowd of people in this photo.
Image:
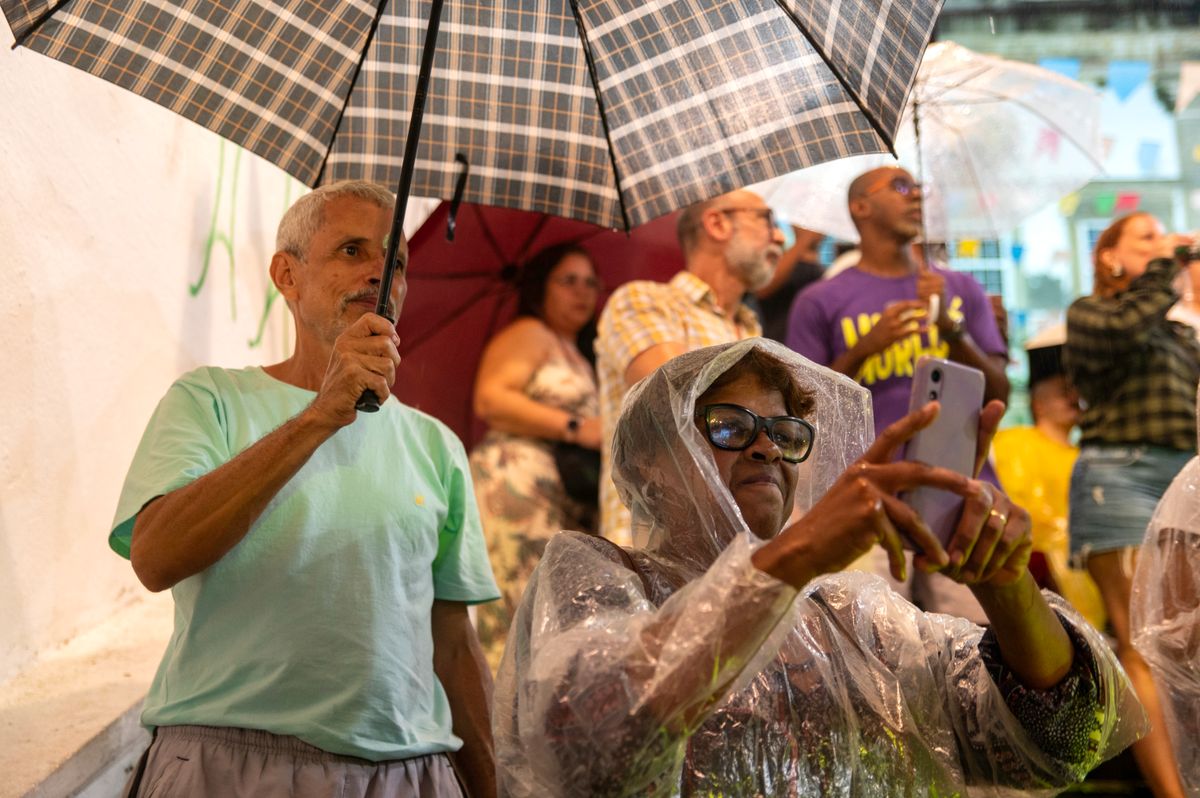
(686, 563)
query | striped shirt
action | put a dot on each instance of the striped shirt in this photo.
(1136, 370)
(638, 316)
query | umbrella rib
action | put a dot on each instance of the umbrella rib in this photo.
(523, 250)
(350, 89)
(612, 153)
(487, 233)
(870, 117)
(933, 84)
(42, 19)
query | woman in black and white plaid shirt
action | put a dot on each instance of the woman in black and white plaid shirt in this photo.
(1137, 373)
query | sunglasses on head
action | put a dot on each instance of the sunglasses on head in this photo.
(735, 428)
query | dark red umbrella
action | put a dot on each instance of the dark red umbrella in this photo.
(460, 293)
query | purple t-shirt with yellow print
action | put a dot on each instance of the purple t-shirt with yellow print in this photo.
(830, 316)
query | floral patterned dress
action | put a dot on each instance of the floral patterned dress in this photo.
(521, 497)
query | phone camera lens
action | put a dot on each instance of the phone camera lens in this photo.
(936, 376)
(932, 395)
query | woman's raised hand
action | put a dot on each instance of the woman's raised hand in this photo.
(861, 510)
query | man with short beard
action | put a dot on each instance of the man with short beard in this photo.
(731, 245)
(321, 560)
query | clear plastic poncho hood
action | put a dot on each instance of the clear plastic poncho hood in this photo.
(1165, 614)
(662, 465)
(678, 668)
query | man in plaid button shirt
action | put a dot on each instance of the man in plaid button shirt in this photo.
(731, 245)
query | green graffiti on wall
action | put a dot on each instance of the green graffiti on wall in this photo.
(222, 236)
(272, 291)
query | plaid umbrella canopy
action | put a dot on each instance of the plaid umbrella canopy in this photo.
(608, 111)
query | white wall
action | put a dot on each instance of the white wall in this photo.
(106, 202)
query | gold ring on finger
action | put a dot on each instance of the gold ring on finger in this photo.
(1003, 518)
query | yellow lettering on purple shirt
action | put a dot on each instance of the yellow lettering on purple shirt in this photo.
(898, 359)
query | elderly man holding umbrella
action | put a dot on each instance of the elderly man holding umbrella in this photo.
(321, 562)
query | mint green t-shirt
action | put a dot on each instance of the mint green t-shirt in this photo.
(317, 624)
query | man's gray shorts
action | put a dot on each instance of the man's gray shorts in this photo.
(231, 763)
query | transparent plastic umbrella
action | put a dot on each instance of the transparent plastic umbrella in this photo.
(994, 142)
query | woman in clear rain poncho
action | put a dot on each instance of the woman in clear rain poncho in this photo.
(1165, 615)
(684, 667)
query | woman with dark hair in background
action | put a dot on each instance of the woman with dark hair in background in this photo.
(536, 391)
(1137, 373)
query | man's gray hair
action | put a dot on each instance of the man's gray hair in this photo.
(301, 221)
(688, 228)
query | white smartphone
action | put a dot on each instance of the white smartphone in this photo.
(949, 442)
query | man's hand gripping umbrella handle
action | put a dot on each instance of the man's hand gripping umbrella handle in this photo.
(369, 402)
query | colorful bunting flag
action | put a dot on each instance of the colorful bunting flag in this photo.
(1069, 204)
(1125, 76)
(1068, 67)
(1127, 202)
(1047, 143)
(1104, 203)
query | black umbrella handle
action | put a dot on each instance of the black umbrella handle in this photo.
(369, 402)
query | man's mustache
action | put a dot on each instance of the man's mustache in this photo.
(373, 296)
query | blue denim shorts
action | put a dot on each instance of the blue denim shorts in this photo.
(1114, 490)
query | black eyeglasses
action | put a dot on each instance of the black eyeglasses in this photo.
(762, 213)
(733, 427)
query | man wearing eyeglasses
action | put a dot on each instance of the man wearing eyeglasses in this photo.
(731, 245)
(873, 321)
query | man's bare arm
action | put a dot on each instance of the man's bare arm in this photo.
(1032, 640)
(189, 529)
(898, 320)
(459, 664)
